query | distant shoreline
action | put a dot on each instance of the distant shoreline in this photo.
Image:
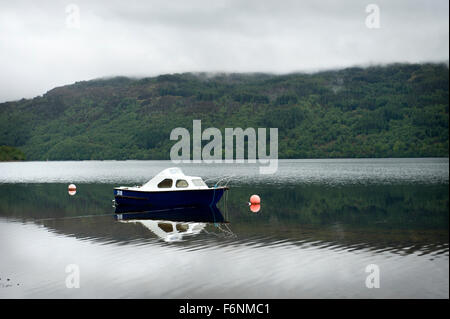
(168, 160)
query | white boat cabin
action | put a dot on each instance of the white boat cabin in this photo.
(170, 231)
(171, 179)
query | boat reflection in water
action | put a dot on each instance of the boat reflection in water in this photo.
(172, 224)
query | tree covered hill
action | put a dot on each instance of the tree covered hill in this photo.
(8, 153)
(399, 110)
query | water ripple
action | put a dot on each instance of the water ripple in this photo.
(323, 171)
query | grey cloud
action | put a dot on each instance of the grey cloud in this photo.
(145, 38)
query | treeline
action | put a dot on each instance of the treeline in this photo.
(8, 153)
(399, 110)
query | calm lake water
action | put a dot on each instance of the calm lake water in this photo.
(321, 223)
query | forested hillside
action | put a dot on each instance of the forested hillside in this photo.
(399, 110)
(8, 153)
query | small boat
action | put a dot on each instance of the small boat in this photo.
(169, 189)
(174, 224)
(204, 214)
(169, 231)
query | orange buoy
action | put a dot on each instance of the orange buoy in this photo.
(254, 199)
(255, 208)
(72, 189)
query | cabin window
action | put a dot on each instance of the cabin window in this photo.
(198, 182)
(181, 183)
(182, 228)
(166, 227)
(167, 183)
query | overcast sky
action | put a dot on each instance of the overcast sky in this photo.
(42, 45)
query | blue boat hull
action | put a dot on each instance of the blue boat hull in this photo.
(168, 199)
(205, 214)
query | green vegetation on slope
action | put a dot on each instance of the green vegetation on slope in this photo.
(8, 153)
(399, 110)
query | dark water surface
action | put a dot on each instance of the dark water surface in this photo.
(321, 223)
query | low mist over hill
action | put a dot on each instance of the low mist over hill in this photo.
(390, 111)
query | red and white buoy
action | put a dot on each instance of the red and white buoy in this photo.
(255, 203)
(255, 200)
(254, 208)
(72, 189)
